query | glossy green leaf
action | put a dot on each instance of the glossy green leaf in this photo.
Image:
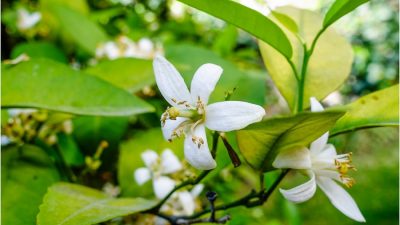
(128, 73)
(329, 65)
(339, 9)
(247, 19)
(71, 204)
(231, 77)
(39, 50)
(130, 159)
(87, 34)
(26, 173)
(43, 83)
(379, 108)
(286, 21)
(261, 142)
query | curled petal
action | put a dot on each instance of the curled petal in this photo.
(187, 202)
(142, 175)
(169, 127)
(315, 105)
(170, 82)
(302, 192)
(293, 158)
(204, 81)
(232, 115)
(196, 190)
(340, 198)
(169, 162)
(149, 158)
(318, 145)
(198, 155)
(162, 186)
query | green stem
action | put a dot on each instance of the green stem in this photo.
(302, 79)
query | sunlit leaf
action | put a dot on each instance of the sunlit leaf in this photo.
(261, 142)
(339, 9)
(286, 21)
(128, 73)
(247, 19)
(379, 108)
(329, 65)
(87, 34)
(71, 204)
(43, 83)
(39, 50)
(26, 173)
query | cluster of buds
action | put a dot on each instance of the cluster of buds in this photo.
(26, 126)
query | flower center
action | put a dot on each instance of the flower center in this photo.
(343, 165)
(196, 115)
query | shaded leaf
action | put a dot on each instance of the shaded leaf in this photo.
(87, 34)
(71, 204)
(379, 108)
(26, 173)
(43, 83)
(39, 50)
(130, 74)
(261, 142)
(247, 19)
(70, 150)
(339, 9)
(329, 65)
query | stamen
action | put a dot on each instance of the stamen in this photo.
(342, 163)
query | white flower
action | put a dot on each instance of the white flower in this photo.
(190, 114)
(183, 202)
(156, 169)
(27, 20)
(125, 47)
(322, 164)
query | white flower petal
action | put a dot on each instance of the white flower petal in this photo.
(149, 158)
(293, 158)
(199, 157)
(187, 202)
(169, 127)
(328, 152)
(340, 198)
(196, 190)
(232, 115)
(302, 192)
(318, 145)
(162, 186)
(170, 82)
(204, 81)
(142, 175)
(315, 105)
(169, 162)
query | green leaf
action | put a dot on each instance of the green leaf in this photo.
(128, 73)
(261, 142)
(130, 159)
(39, 50)
(70, 204)
(329, 65)
(247, 19)
(87, 34)
(70, 150)
(43, 83)
(26, 173)
(339, 9)
(379, 108)
(231, 77)
(286, 21)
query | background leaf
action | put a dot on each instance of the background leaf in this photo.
(329, 65)
(130, 74)
(26, 173)
(39, 50)
(339, 9)
(43, 83)
(261, 142)
(247, 19)
(87, 34)
(379, 108)
(71, 204)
